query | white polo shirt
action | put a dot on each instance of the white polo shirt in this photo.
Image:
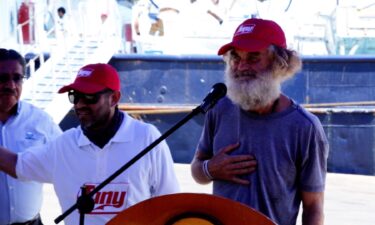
(21, 201)
(72, 161)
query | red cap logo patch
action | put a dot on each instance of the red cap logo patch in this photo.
(245, 29)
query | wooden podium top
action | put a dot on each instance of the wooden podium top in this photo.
(189, 209)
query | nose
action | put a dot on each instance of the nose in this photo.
(10, 83)
(244, 65)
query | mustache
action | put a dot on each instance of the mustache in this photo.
(82, 109)
(8, 91)
(246, 73)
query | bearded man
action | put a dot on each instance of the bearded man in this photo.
(258, 146)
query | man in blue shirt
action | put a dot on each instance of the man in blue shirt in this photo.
(258, 146)
(22, 125)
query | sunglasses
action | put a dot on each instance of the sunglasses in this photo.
(75, 97)
(16, 78)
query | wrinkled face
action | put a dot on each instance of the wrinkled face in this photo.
(249, 65)
(94, 111)
(11, 79)
(251, 82)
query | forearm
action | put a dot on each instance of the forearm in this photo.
(8, 162)
(312, 218)
(313, 208)
(198, 173)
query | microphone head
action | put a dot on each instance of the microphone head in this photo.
(220, 89)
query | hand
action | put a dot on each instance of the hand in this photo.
(226, 167)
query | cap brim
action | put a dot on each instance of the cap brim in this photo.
(86, 88)
(249, 45)
(159, 210)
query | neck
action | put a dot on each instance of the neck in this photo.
(4, 117)
(6, 114)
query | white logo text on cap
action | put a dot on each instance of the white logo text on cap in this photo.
(84, 73)
(245, 29)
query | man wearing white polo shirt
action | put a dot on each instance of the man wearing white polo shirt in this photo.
(105, 140)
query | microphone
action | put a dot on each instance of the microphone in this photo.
(218, 91)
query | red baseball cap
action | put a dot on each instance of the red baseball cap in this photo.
(93, 78)
(255, 34)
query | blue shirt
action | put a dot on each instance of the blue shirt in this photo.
(291, 151)
(21, 201)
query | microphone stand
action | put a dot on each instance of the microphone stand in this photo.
(85, 203)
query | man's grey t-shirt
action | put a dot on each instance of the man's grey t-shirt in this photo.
(291, 150)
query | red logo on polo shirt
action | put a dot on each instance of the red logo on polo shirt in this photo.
(109, 200)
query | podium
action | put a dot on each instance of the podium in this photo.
(190, 209)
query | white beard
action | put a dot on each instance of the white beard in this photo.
(253, 94)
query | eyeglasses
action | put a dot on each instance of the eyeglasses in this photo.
(75, 96)
(16, 78)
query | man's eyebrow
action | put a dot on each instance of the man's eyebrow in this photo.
(253, 54)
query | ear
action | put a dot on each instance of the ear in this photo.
(115, 99)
